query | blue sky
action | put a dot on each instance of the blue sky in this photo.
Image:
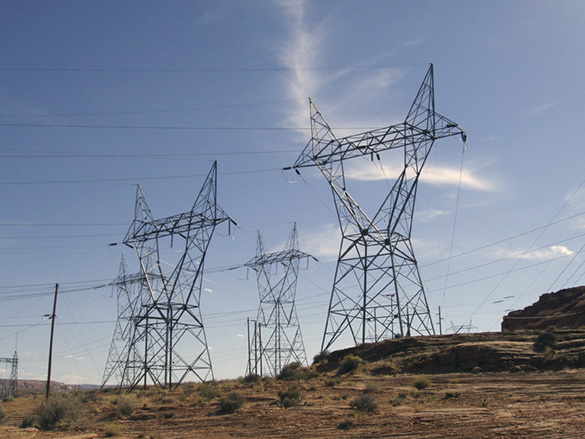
(96, 97)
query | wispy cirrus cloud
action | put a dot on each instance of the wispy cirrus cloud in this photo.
(412, 43)
(540, 109)
(299, 52)
(305, 45)
(428, 215)
(436, 175)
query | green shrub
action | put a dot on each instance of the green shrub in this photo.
(545, 340)
(452, 394)
(61, 411)
(233, 402)
(349, 364)
(209, 392)
(421, 383)
(290, 397)
(365, 403)
(290, 372)
(2, 414)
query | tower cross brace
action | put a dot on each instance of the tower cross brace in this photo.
(378, 291)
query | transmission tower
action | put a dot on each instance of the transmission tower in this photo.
(169, 337)
(124, 360)
(9, 387)
(276, 339)
(377, 291)
(462, 329)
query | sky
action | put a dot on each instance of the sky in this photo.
(98, 97)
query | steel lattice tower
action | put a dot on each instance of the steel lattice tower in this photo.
(169, 337)
(124, 360)
(282, 342)
(10, 387)
(378, 291)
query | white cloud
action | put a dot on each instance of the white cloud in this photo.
(323, 242)
(552, 252)
(428, 215)
(240, 335)
(208, 290)
(435, 175)
(71, 379)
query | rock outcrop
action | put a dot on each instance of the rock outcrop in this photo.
(564, 309)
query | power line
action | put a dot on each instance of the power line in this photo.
(58, 236)
(158, 155)
(134, 179)
(198, 70)
(61, 224)
(170, 128)
(483, 247)
(153, 127)
(168, 110)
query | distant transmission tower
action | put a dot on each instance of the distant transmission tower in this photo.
(276, 339)
(124, 360)
(462, 329)
(377, 291)
(168, 342)
(9, 387)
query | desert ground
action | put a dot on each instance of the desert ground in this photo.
(370, 400)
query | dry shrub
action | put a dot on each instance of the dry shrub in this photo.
(398, 400)
(233, 402)
(421, 383)
(365, 403)
(208, 392)
(113, 429)
(290, 397)
(125, 405)
(59, 411)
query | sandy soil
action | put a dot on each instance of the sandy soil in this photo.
(481, 405)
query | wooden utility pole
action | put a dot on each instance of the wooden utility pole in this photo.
(51, 341)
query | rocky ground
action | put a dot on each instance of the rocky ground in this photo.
(479, 386)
